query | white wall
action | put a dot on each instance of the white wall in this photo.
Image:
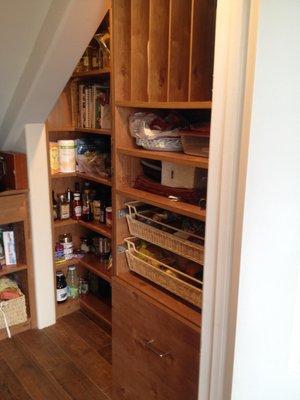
(40, 223)
(270, 257)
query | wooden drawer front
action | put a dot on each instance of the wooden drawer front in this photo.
(12, 209)
(165, 369)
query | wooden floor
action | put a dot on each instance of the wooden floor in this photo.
(69, 360)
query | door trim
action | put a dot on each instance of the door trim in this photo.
(235, 50)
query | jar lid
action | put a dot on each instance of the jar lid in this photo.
(59, 273)
(108, 209)
(71, 267)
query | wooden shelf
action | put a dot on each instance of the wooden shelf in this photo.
(59, 175)
(178, 158)
(69, 306)
(94, 131)
(65, 264)
(97, 227)
(101, 308)
(95, 265)
(203, 105)
(91, 74)
(103, 181)
(64, 222)
(90, 262)
(178, 207)
(13, 192)
(61, 129)
(10, 269)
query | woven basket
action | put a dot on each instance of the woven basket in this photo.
(15, 311)
(168, 241)
(188, 289)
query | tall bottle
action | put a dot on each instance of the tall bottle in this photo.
(54, 207)
(64, 208)
(87, 214)
(72, 282)
(76, 207)
(69, 195)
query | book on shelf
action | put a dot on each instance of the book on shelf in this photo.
(93, 106)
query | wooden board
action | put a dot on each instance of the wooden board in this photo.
(202, 50)
(179, 50)
(121, 48)
(139, 49)
(166, 104)
(158, 50)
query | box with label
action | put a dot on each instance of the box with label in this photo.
(9, 247)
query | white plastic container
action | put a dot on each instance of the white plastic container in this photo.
(67, 155)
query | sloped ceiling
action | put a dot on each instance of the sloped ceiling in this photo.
(48, 37)
(20, 24)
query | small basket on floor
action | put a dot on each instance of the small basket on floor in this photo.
(13, 312)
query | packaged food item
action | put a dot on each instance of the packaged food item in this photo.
(9, 247)
(67, 155)
(93, 157)
(2, 253)
(54, 157)
(59, 255)
(61, 287)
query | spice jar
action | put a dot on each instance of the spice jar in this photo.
(108, 216)
(87, 59)
(66, 240)
(61, 287)
(84, 245)
(97, 210)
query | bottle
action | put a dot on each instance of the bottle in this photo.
(76, 207)
(102, 213)
(95, 58)
(54, 207)
(69, 195)
(66, 240)
(64, 208)
(61, 287)
(77, 187)
(72, 282)
(86, 206)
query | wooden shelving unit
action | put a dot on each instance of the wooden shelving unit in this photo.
(92, 74)
(162, 60)
(15, 211)
(62, 124)
(155, 67)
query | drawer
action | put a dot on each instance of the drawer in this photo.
(155, 354)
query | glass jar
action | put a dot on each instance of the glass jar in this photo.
(77, 207)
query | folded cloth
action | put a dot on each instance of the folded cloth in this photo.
(192, 196)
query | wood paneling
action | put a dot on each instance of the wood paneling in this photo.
(179, 48)
(158, 50)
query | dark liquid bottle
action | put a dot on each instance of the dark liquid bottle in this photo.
(61, 287)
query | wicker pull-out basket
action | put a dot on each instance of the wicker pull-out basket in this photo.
(177, 282)
(169, 241)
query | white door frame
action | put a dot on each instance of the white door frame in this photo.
(235, 49)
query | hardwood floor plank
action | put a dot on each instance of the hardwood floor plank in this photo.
(45, 351)
(106, 353)
(10, 386)
(76, 384)
(81, 353)
(35, 379)
(87, 330)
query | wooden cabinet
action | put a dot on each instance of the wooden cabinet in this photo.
(155, 353)
(15, 213)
